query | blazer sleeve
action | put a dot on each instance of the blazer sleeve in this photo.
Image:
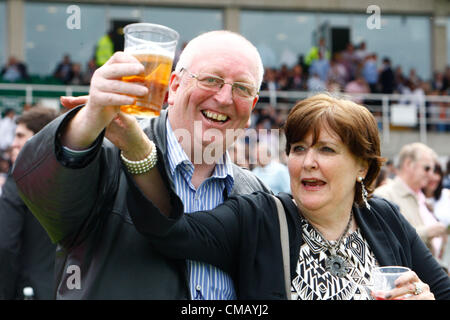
(421, 261)
(426, 266)
(64, 196)
(12, 213)
(211, 236)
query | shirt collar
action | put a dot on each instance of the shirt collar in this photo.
(177, 157)
(405, 189)
(175, 152)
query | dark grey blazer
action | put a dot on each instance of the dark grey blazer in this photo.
(101, 254)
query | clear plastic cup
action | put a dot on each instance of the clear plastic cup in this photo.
(154, 46)
(383, 278)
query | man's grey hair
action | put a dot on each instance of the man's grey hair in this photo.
(414, 151)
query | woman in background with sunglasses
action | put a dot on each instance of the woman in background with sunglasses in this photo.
(438, 200)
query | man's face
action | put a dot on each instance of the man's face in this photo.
(194, 107)
(421, 171)
(21, 137)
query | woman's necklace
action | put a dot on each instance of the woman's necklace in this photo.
(334, 263)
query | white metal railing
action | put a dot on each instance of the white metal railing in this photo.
(429, 108)
(30, 88)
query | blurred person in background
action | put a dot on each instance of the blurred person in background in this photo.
(270, 84)
(399, 79)
(357, 86)
(77, 75)
(14, 70)
(382, 178)
(321, 67)
(350, 61)
(7, 129)
(361, 52)
(273, 173)
(446, 80)
(370, 72)
(297, 80)
(91, 66)
(391, 169)
(26, 253)
(105, 48)
(337, 72)
(4, 170)
(316, 52)
(414, 170)
(240, 153)
(387, 77)
(438, 200)
(437, 82)
(315, 84)
(64, 70)
(446, 181)
(414, 77)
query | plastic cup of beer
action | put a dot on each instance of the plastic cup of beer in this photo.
(154, 46)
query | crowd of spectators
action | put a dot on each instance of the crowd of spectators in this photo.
(66, 72)
(358, 71)
(353, 70)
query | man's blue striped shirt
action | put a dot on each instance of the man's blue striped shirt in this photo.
(206, 281)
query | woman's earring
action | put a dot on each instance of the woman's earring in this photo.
(365, 194)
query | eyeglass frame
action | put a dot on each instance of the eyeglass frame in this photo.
(195, 76)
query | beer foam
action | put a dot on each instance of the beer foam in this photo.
(149, 49)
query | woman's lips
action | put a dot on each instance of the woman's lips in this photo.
(312, 184)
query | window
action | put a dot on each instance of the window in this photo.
(282, 36)
(47, 37)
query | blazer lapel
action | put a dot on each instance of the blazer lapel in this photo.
(374, 231)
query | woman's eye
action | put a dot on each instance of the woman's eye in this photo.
(327, 149)
(298, 148)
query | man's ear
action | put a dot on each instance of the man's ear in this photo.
(255, 100)
(174, 83)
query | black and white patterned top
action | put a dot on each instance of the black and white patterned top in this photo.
(314, 282)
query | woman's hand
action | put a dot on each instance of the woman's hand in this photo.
(408, 287)
(69, 102)
(124, 132)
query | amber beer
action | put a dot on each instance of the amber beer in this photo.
(154, 46)
(156, 78)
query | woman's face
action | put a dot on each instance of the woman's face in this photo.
(433, 181)
(323, 175)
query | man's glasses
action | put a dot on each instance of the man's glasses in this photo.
(214, 83)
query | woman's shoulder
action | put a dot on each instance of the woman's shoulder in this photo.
(262, 198)
(382, 203)
(254, 199)
(260, 202)
(387, 211)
